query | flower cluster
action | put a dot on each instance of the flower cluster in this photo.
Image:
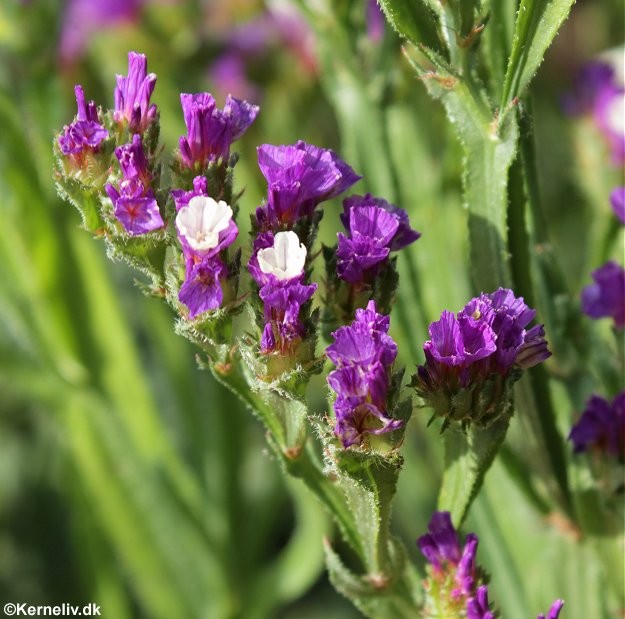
(374, 229)
(85, 133)
(601, 427)
(486, 341)
(132, 95)
(211, 131)
(299, 176)
(455, 583)
(363, 353)
(606, 297)
(277, 266)
(133, 199)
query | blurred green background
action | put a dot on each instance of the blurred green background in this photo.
(128, 477)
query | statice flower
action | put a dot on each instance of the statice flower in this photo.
(606, 297)
(363, 353)
(133, 199)
(554, 611)
(205, 229)
(132, 95)
(85, 133)
(277, 266)
(473, 357)
(478, 606)
(375, 228)
(182, 197)
(211, 131)
(609, 114)
(300, 176)
(591, 79)
(617, 200)
(601, 427)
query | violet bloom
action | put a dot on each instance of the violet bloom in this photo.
(375, 228)
(589, 82)
(211, 131)
(606, 297)
(617, 200)
(85, 133)
(363, 353)
(132, 95)
(554, 611)
(205, 229)
(601, 427)
(477, 607)
(609, 114)
(182, 197)
(133, 199)
(277, 266)
(375, 21)
(300, 176)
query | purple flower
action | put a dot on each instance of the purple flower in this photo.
(182, 197)
(277, 266)
(375, 21)
(554, 611)
(228, 74)
(590, 81)
(477, 607)
(606, 297)
(363, 353)
(211, 131)
(440, 545)
(201, 290)
(617, 200)
(132, 95)
(300, 176)
(609, 114)
(85, 132)
(601, 427)
(82, 18)
(134, 201)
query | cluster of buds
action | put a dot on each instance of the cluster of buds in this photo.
(456, 585)
(473, 357)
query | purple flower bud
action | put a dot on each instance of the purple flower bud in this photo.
(375, 21)
(554, 611)
(617, 200)
(134, 201)
(477, 607)
(85, 132)
(363, 353)
(601, 427)
(300, 176)
(132, 94)
(211, 131)
(440, 544)
(201, 290)
(182, 197)
(606, 297)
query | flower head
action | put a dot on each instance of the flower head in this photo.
(300, 176)
(201, 290)
(211, 131)
(133, 199)
(606, 297)
(554, 611)
(85, 133)
(132, 94)
(478, 606)
(601, 427)
(363, 353)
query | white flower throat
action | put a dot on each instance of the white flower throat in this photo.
(286, 259)
(201, 221)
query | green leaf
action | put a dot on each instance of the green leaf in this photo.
(468, 455)
(414, 20)
(537, 23)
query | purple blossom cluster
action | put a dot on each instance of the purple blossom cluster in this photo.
(85, 133)
(605, 298)
(205, 229)
(299, 176)
(601, 427)
(132, 95)
(363, 353)
(277, 266)
(455, 580)
(374, 229)
(210, 130)
(133, 199)
(596, 91)
(488, 336)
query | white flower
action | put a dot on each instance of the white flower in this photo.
(201, 221)
(615, 114)
(285, 260)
